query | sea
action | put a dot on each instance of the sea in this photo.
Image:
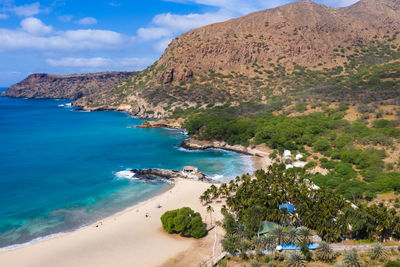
(62, 169)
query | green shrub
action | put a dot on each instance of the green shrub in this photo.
(184, 221)
(392, 264)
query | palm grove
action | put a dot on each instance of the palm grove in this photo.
(249, 201)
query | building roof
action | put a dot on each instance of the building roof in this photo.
(266, 227)
(289, 207)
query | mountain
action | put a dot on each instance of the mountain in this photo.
(43, 85)
(300, 52)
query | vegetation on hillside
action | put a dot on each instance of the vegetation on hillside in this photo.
(352, 152)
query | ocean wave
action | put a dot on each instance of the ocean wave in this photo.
(188, 150)
(67, 105)
(33, 241)
(125, 174)
(218, 177)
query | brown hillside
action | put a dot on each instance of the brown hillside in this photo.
(252, 57)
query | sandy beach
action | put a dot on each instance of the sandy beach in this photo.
(128, 238)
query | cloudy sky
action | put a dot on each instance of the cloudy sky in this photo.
(80, 36)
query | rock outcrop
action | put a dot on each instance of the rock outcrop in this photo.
(43, 85)
(149, 174)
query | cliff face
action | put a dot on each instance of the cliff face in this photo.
(43, 85)
(255, 57)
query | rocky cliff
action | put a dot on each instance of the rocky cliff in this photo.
(43, 85)
(271, 53)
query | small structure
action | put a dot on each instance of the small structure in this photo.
(299, 156)
(287, 154)
(266, 227)
(289, 207)
(287, 157)
(190, 170)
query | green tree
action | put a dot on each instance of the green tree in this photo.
(184, 221)
(230, 243)
(278, 232)
(351, 259)
(324, 252)
(296, 259)
(377, 252)
(210, 210)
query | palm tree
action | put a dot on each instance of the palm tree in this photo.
(378, 252)
(255, 264)
(244, 245)
(304, 234)
(239, 230)
(351, 259)
(270, 242)
(278, 232)
(210, 210)
(296, 259)
(291, 236)
(324, 252)
(258, 243)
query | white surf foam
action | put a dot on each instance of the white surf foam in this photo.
(125, 174)
(217, 177)
(38, 239)
(67, 105)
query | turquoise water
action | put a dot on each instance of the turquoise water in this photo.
(60, 168)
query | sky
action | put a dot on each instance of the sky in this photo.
(83, 36)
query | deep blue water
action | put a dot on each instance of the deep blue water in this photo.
(59, 167)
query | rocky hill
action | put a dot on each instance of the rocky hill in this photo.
(295, 52)
(43, 85)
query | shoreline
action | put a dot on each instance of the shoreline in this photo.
(260, 153)
(124, 233)
(44, 250)
(60, 234)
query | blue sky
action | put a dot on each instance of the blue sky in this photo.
(71, 36)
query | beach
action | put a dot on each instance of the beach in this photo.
(129, 238)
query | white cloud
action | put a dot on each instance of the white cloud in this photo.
(114, 4)
(65, 18)
(28, 9)
(102, 63)
(78, 62)
(238, 7)
(4, 16)
(166, 26)
(73, 40)
(152, 33)
(35, 26)
(87, 21)
(161, 45)
(338, 3)
(189, 21)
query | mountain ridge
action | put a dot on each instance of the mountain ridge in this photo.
(235, 60)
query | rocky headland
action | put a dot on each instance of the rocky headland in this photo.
(75, 86)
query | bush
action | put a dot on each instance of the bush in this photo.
(184, 221)
(392, 264)
(267, 259)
